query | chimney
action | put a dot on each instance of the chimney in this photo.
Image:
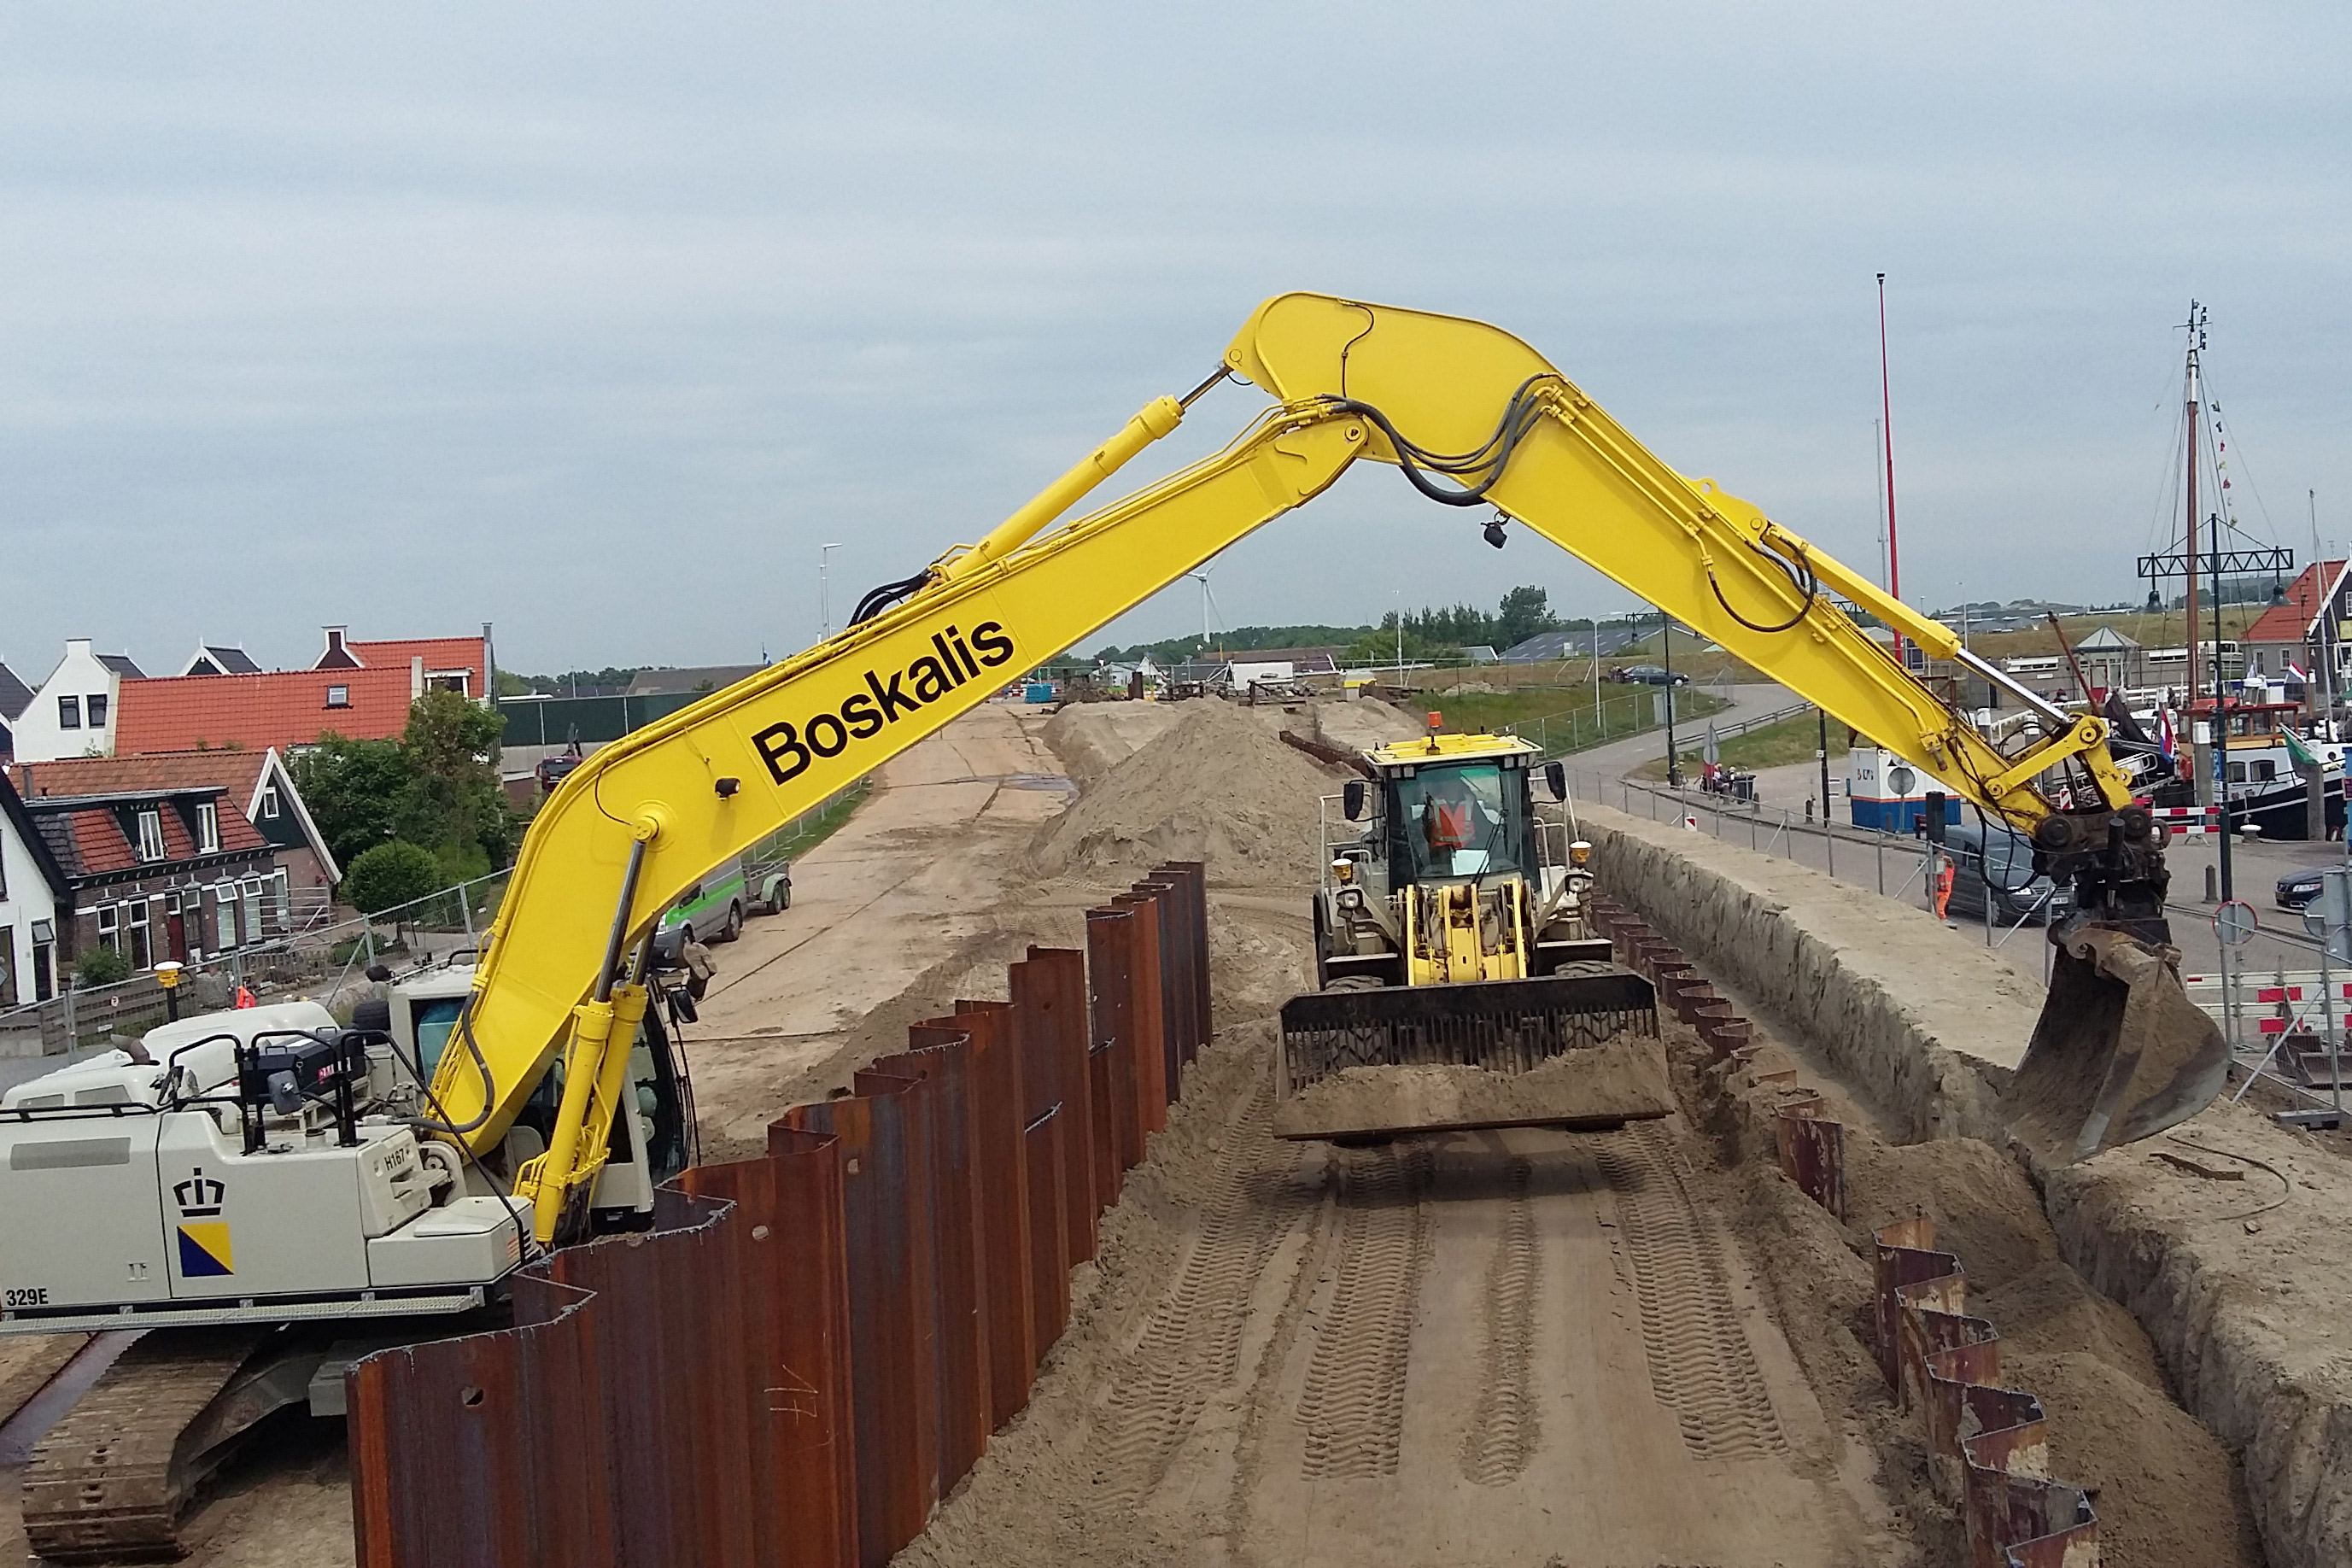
(77, 645)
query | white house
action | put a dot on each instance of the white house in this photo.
(72, 712)
(33, 888)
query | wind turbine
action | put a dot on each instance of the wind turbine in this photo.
(1208, 603)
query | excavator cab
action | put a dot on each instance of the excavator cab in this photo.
(1460, 982)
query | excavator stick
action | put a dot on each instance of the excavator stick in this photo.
(2119, 1053)
(1578, 1048)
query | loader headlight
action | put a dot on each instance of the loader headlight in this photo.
(1580, 853)
(1352, 900)
(1343, 870)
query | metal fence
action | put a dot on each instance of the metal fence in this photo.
(312, 958)
(2283, 1003)
(810, 1349)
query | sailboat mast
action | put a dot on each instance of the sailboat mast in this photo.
(2189, 400)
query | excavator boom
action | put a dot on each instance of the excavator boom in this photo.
(1475, 418)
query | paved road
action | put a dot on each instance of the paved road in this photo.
(1621, 757)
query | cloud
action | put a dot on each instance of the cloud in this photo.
(597, 322)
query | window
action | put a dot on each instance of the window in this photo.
(151, 834)
(252, 891)
(448, 682)
(339, 697)
(136, 949)
(8, 966)
(69, 712)
(207, 828)
(109, 927)
(95, 704)
(224, 916)
(45, 970)
(284, 900)
(269, 801)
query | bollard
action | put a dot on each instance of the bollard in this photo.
(2212, 884)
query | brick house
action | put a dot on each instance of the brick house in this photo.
(258, 784)
(168, 872)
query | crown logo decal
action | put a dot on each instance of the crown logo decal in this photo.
(199, 1195)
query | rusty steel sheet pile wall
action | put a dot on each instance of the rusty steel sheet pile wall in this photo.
(1988, 1449)
(807, 1351)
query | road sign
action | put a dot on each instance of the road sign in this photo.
(2234, 922)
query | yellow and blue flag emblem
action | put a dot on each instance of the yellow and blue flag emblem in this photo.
(205, 1250)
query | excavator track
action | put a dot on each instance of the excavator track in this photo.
(111, 1481)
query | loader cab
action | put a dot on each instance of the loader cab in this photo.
(426, 1011)
(1449, 808)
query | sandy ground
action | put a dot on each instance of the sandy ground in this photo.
(909, 884)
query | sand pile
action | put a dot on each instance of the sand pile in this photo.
(1621, 1080)
(1216, 786)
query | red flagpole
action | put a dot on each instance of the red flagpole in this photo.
(1886, 424)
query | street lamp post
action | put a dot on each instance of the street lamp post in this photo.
(1666, 642)
(824, 589)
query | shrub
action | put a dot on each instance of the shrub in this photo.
(389, 875)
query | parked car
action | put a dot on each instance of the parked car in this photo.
(1651, 675)
(553, 771)
(2299, 889)
(713, 909)
(1995, 864)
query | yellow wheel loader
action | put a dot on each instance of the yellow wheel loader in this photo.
(1460, 983)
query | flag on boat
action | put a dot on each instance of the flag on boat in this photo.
(2296, 670)
(2297, 753)
(2164, 730)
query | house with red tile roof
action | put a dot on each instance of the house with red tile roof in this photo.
(257, 783)
(176, 872)
(359, 689)
(279, 709)
(461, 665)
(2289, 636)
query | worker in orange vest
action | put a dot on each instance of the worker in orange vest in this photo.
(244, 995)
(1944, 890)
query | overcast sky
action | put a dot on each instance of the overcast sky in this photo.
(595, 321)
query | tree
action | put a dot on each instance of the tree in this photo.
(354, 790)
(389, 875)
(436, 787)
(1525, 612)
(454, 801)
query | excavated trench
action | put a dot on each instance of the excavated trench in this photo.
(1641, 1349)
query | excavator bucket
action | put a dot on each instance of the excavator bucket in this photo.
(1576, 1048)
(2119, 1053)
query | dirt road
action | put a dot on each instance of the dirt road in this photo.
(906, 886)
(1521, 1348)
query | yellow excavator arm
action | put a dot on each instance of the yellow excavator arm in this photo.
(1474, 416)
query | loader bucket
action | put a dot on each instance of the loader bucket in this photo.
(1576, 1048)
(2119, 1053)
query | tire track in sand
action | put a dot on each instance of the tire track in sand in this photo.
(1352, 1406)
(1191, 1345)
(1504, 1429)
(1700, 1364)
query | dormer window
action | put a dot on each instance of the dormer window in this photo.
(151, 833)
(339, 697)
(207, 828)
